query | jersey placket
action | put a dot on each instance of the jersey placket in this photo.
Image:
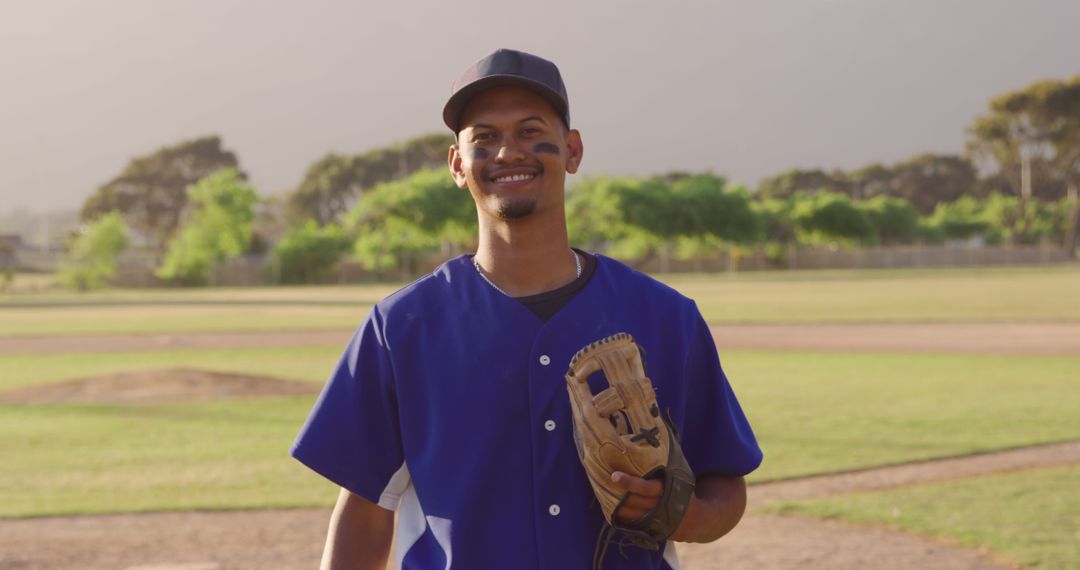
(563, 502)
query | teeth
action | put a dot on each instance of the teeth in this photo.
(515, 178)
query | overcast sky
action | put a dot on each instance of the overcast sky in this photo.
(745, 89)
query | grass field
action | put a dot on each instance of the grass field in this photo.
(1033, 517)
(981, 294)
(79, 459)
(813, 413)
(1046, 294)
(823, 412)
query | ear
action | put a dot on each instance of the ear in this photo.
(574, 150)
(453, 161)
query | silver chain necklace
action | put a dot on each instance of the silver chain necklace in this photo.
(476, 264)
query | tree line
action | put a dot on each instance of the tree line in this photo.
(387, 208)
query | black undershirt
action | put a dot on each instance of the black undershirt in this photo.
(546, 304)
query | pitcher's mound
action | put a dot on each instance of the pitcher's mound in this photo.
(159, 386)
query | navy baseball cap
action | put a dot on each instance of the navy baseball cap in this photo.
(507, 67)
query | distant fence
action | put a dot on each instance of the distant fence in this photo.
(37, 261)
(862, 258)
(137, 268)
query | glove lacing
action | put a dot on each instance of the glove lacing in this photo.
(607, 535)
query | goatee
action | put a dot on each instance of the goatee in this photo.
(517, 210)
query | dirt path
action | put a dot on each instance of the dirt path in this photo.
(287, 539)
(981, 338)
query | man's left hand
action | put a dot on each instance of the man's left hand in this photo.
(715, 507)
(644, 496)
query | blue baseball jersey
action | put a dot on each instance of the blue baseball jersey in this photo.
(450, 406)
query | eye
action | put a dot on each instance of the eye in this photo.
(483, 136)
(530, 131)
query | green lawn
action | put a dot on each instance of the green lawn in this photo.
(984, 294)
(826, 412)
(999, 294)
(813, 413)
(330, 294)
(1032, 517)
(188, 310)
(177, 318)
(92, 459)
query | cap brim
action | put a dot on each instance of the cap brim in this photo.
(456, 105)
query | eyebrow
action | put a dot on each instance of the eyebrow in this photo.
(526, 119)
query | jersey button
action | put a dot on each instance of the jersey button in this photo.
(549, 425)
(545, 359)
(553, 510)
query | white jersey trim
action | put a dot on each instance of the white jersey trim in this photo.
(391, 495)
(412, 523)
(671, 556)
(441, 527)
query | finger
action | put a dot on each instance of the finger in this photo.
(630, 514)
(637, 485)
(641, 502)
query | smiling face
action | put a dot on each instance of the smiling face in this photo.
(513, 153)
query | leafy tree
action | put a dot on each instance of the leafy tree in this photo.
(634, 218)
(704, 207)
(777, 220)
(828, 218)
(219, 227)
(894, 219)
(329, 187)
(1060, 104)
(151, 192)
(334, 183)
(961, 220)
(269, 224)
(92, 257)
(626, 217)
(7, 265)
(929, 179)
(870, 181)
(1032, 132)
(787, 184)
(307, 253)
(397, 221)
(1070, 209)
(1025, 221)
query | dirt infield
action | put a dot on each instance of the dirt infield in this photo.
(286, 539)
(980, 338)
(168, 385)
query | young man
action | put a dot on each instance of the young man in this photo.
(450, 404)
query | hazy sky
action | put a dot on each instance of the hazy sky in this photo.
(746, 89)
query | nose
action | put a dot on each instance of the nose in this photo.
(509, 151)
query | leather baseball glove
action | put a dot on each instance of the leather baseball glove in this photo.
(621, 429)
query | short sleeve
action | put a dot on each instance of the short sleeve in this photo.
(717, 438)
(352, 434)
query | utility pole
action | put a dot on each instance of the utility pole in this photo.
(1025, 177)
(1074, 222)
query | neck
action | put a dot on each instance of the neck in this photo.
(525, 257)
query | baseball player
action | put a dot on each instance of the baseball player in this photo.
(449, 405)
